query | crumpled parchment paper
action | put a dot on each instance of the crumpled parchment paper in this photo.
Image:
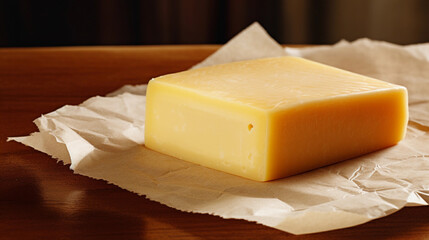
(103, 138)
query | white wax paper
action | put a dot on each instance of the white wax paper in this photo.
(102, 138)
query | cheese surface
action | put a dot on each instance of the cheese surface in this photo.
(271, 118)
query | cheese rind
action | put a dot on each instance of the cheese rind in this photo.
(271, 118)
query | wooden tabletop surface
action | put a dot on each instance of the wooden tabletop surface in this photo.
(42, 199)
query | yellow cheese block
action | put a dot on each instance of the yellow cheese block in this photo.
(271, 118)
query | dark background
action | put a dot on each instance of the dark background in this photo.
(131, 22)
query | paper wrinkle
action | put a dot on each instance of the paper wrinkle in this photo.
(102, 138)
(418, 198)
(257, 44)
(133, 89)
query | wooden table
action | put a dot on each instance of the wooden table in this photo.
(41, 199)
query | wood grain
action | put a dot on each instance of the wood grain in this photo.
(41, 199)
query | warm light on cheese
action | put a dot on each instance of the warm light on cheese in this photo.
(270, 118)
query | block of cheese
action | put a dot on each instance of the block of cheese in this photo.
(270, 118)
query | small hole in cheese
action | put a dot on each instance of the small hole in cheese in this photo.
(250, 126)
